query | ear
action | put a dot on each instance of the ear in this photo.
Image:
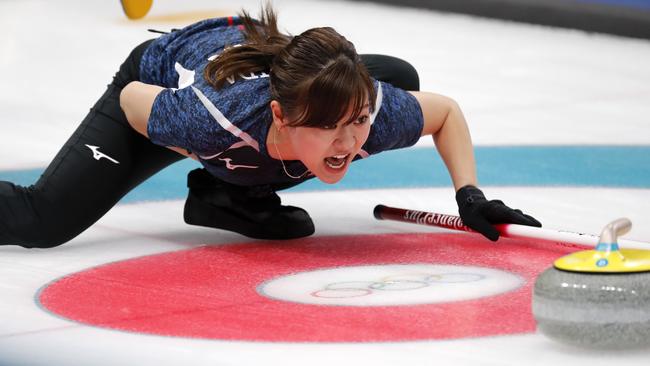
(278, 116)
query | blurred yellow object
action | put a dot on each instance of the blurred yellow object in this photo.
(136, 9)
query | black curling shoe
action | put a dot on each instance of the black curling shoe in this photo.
(255, 211)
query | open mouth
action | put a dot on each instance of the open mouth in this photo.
(337, 161)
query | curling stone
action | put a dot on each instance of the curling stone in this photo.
(597, 298)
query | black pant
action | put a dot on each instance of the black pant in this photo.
(104, 159)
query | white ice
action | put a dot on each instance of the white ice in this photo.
(517, 84)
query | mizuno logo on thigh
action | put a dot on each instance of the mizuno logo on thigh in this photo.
(98, 154)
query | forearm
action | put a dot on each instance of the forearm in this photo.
(444, 120)
(454, 145)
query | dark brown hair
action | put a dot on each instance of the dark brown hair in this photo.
(317, 76)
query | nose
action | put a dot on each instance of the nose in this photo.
(346, 138)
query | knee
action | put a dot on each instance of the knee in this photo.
(393, 70)
(406, 76)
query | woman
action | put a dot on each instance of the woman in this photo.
(262, 111)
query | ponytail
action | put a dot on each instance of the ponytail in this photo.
(317, 76)
(263, 43)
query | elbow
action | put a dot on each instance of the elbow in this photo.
(454, 113)
(437, 111)
(452, 107)
(452, 119)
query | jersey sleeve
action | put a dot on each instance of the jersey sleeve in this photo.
(179, 119)
(397, 121)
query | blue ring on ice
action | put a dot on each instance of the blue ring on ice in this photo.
(545, 166)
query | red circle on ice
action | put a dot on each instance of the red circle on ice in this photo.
(210, 292)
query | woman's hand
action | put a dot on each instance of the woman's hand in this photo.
(479, 214)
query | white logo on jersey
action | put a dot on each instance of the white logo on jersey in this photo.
(98, 155)
(185, 76)
(233, 166)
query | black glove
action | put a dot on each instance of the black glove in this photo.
(479, 214)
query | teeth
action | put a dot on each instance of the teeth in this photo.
(335, 166)
(337, 161)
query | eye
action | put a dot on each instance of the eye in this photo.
(361, 120)
(329, 127)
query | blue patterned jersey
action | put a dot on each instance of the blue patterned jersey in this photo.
(227, 128)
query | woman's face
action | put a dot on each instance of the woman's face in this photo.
(327, 152)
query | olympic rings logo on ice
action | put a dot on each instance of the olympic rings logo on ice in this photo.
(349, 289)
